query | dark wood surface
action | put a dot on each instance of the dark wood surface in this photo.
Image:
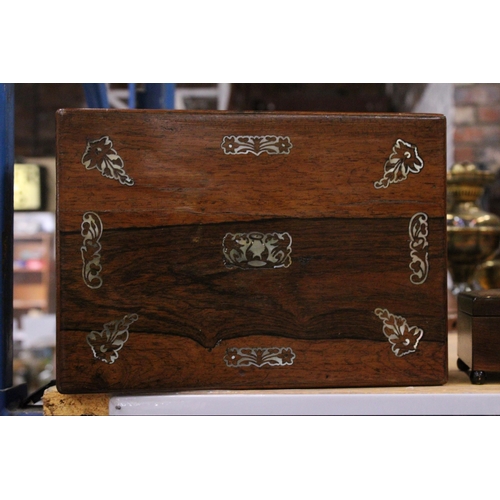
(480, 302)
(334, 263)
(183, 176)
(486, 344)
(479, 343)
(478, 330)
(162, 255)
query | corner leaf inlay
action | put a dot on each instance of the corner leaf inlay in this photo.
(101, 155)
(403, 338)
(403, 160)
(106, 343)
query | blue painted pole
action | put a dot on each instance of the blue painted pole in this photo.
(159, 96)
(6, 229)
(169, 96)
(132, 103)
(96, 95)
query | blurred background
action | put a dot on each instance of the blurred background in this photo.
(473, 135)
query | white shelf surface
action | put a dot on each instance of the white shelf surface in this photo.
(307, 404)
(457, 397)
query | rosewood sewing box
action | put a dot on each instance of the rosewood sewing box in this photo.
(221, 250)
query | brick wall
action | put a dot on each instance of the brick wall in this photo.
(439, 98)
(477, 124)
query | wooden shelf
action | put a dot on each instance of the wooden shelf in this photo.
(28, 271)
(29, 304)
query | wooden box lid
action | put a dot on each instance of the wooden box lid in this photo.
(250, 250)
(480, 302)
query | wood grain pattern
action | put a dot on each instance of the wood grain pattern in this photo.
(148, 362)
(174, 278)
(162, 260)
(182, 175)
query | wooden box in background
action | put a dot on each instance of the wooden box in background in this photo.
(250, 250)
(478, 334)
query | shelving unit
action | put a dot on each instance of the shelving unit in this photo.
(32, 268)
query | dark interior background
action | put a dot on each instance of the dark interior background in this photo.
(36, 104)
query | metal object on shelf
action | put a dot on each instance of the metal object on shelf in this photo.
(473, 233)
(487, 274)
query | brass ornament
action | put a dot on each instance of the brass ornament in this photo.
(473, 233)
